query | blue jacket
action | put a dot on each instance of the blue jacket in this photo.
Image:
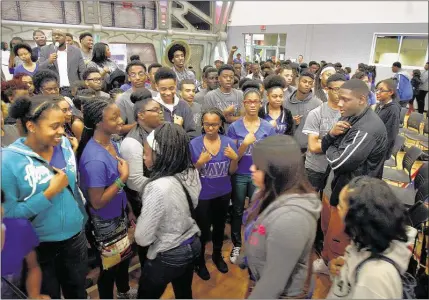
(25, 178)
(404, 88)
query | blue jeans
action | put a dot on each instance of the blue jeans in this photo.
(175, 266)
(242, 187)
(64, 266)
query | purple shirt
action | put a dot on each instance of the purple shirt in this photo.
(282, 124)
(237, 131)
(215, 180)
(99, 169)
(57, 159)
(21, 69)
(20, 240)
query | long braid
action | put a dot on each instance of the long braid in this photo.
(318, 89)
(92, 115)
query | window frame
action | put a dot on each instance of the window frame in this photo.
(402, 35)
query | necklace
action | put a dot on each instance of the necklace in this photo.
(104, 145)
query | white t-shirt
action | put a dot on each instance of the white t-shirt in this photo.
(62, 68)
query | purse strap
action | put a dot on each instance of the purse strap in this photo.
(188, 197)
(15, 289)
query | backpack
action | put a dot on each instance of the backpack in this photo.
(404, 88)
(408, 281)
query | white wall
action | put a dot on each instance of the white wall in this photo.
(327, 12)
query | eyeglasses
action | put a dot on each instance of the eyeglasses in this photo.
(94, 79)
(134, 75)
(213, 125)
(155, 110)
(248, 102)
(66, 110)
(51, 89)
(382, 91)
(334, 90)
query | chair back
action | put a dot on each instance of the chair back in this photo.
(422, 176)
(418, 214)
(402, 116)
(414, 121)
(399, 142)
(411, 155)
(426, 127)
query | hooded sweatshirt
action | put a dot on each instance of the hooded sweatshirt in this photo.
(165, 220)
(301, 108)
(182, 109)
(377, 279)
(279, 246)
(25, 178)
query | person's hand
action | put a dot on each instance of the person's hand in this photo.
(297, 119)
(230, 153)
(229, 110)
(74, 143)
(340, 128)
(273, 123)
(205, 157)
(249, 139)
(123, 169)
(335, 265)
(53, 57)
(106, 70)
(178, 120)
(234, 49)
(58, 182)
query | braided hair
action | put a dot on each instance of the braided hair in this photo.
(214, 111)
(172, 155)
(318, 89)
(92, 115)
(26, 109)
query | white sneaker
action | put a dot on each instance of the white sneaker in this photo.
(319, 266)
(131, 294)
(235, 252)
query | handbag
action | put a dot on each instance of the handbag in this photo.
(110, 238)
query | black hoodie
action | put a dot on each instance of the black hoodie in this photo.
(360, 151)
(390, 115)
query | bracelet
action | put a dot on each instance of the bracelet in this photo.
(119, 183)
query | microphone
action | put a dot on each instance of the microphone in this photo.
(56, 45)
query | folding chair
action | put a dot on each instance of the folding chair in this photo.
(404, 175)
(417, 190)
(413, 123)
(414, 136)
(392, 162)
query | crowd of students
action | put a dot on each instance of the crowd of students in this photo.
(91, 158)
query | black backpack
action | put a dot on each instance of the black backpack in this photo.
(408, 281)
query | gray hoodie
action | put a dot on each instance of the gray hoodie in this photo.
(279, 247)
(165, 220)
(377, 279)
(301, 108)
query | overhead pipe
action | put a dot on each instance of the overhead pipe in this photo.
(98, 28)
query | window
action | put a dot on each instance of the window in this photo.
(411, 50)
(263, 46)
(138, 15)
(60, 12)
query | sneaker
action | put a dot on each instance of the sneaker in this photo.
(202, 271)
(220, 263)
(131, 294)
(235, 252)
(319, 266)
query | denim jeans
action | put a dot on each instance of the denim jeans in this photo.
(242, 187)
(64, 266)
(212, 213)
(174, 266)
(117, 274)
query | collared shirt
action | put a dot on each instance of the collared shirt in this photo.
(62, 68)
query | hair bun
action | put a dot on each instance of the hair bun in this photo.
(140, 94)
(274, 81)
(250, 84)
(20, 107)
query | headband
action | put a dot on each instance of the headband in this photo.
(327, 69)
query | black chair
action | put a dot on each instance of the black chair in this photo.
(402, 116)
(416, 191)
(413, 123)
(404, 175)
(414, 136)
(418, 214)
(392, 162)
